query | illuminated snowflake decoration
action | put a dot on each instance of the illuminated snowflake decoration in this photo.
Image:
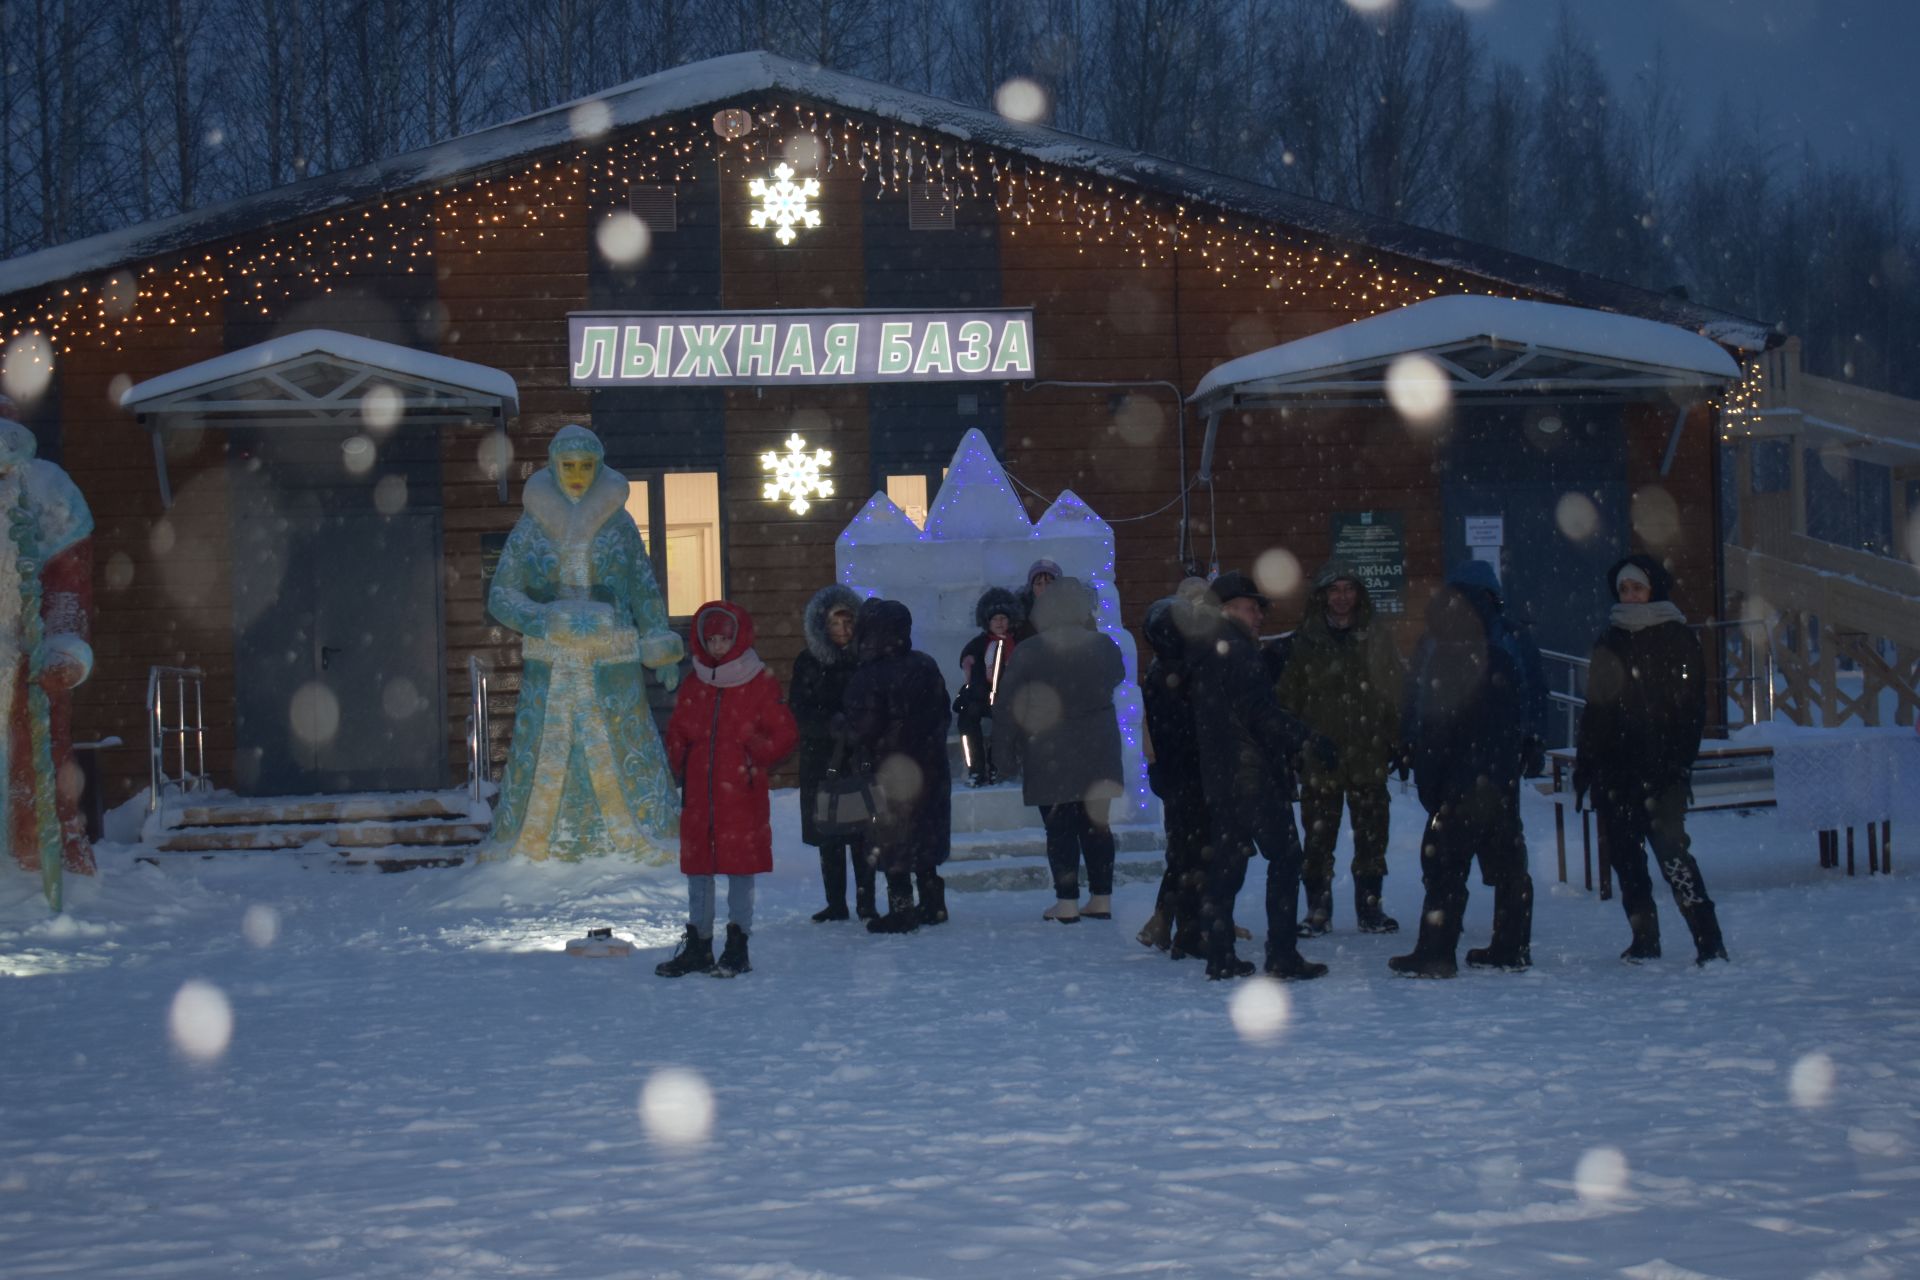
(783, 204)
(796, 473)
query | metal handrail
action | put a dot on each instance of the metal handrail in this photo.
(479, 728)
(185, 781)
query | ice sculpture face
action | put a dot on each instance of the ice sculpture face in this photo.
(575, 471)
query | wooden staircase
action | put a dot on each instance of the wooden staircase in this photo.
(391, 832)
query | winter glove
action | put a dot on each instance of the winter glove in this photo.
(669, 677)
(1582, 783)
(1533, 758)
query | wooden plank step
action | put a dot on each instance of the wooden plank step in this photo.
(254, 811)
(348, 835)
(345, 859)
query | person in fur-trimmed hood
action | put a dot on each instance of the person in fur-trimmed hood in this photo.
(729, 729)
(815, 696)
(982, 662)
(1639, 734)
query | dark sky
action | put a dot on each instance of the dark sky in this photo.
(1843, 73)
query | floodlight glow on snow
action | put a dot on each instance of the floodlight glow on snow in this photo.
(783, 203)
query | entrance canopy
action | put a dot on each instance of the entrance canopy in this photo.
(1489, 350)
(320, 378)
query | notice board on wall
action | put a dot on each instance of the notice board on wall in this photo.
(1375, 544)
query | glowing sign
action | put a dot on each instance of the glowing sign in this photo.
(797, 474)
(783, 203)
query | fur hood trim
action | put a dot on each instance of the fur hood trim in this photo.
(814, 623)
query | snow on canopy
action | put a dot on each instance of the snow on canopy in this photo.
(735, 77)
(369, 352)
(1447, 322)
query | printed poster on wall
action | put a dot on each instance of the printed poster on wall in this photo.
(1375, 544)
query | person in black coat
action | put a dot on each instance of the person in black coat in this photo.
(814, 695)
(1468, 747)
(982, 663)
(1174, 775)
(896, 714)
(1246, 747)
(1639, 734)
(1056, 717)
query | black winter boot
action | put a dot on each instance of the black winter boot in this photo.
(1512, 945)
(1222, 963)
(694, 956)
(833, 877)
(1705, 924)
(933, 898)
(902, 916)
(1432, 954)
(1646, 938)
(1368, 917)
(1319, 916)
(733, 958)
(1291, 966)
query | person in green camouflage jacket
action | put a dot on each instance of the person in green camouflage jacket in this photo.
(1343, 677)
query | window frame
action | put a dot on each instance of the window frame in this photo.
(656, 547)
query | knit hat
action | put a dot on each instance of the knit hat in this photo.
(1631, 573)
(1045, 566)
(1234, 585)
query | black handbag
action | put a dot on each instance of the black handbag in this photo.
(844, 804)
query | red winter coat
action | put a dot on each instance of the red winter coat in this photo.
(729, 727)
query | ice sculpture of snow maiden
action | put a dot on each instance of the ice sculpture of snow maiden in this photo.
(46, 594)
(586, 775)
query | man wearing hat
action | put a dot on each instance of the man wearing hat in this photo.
(1639, 734)
(1246, 745)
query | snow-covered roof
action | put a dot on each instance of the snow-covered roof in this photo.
(737, 76)
(1484, 344)
(367, 353)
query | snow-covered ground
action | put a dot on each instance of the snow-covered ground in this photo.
(418, 1084)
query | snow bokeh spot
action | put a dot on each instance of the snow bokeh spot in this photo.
(313, 714)
(495, 455)
(1810, 1083)
(261, 925)
(117, 386)
(802, 151)
(357, 455)
(1473, 6)
(200, 1021)
(400, 698)
(1371, 6)
(381, 407)
(28, 367)
(900, 778)
(1140, 420)
(676, 1107)
(1601, 1175)
(1276, 571)
(1419, 390)
(390, 495)
(1261, 1009)
(118, 294)
(1576, 517)
(1021, 100)
(589, 119)
(118, 573)
(623, 239)
(1656, 516)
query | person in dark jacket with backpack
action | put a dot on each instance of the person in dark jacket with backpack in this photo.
(1174, 776)
(814, 695)
(1639, 734)
(1466, 755)
(1343, 677)
(1056, 716)
(982, 664)
(1246, 747)
(895, 716)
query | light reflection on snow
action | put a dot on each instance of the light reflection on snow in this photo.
(200, 1021)
(1601, 1174)
(1261, 1010)
(1810, 1084)
(676, 1107)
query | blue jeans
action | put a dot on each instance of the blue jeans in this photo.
(700, 903)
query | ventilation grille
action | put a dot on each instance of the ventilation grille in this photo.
(658, 208)
(929, 207)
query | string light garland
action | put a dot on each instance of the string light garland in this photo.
(260, 273)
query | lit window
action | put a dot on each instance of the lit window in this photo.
(909, 493)
(686, 557)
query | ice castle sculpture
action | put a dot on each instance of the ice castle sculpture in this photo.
(977, 536)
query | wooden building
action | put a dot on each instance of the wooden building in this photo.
(281, 554)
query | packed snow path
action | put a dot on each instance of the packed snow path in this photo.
(417, 1085)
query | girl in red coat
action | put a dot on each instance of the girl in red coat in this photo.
(729, 728)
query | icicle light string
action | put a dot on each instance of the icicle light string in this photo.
(404, 234)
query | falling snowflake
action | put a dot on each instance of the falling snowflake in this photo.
(783, 204)
(797, 473)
